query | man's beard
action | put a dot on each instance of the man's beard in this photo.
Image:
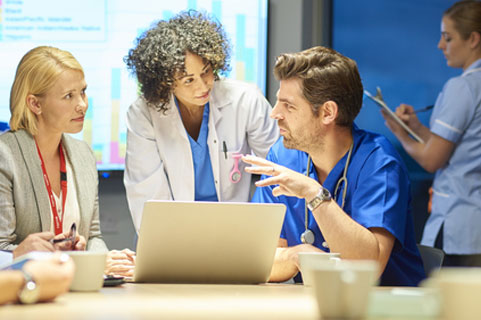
(290, 143)
(306, 142)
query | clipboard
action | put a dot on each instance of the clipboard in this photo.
(380, 102)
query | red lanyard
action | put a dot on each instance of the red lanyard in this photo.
(58, 222)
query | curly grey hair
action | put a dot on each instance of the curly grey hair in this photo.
(159, 53)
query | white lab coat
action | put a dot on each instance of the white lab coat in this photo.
(159, 162)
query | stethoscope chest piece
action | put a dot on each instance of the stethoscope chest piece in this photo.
(307, 236)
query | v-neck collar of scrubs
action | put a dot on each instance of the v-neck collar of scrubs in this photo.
(203, 174)
(204, 127)
(336, 173)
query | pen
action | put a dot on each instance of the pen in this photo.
(71, 237)
(60, 240)
(224, 147)
(423, 109)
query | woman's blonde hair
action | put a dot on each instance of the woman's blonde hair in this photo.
(36, 74)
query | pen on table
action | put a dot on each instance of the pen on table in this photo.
(423, 109)
(224, 147)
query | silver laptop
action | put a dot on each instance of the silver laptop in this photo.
(207, 242)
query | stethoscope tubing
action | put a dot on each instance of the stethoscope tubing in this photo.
(336, 190)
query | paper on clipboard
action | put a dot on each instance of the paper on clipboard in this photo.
(378, 99)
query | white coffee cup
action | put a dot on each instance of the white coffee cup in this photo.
(89, 270)
(459, 290)
(309, 261)
(342, 290)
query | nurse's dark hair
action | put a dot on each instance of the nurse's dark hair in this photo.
(326, 75)
(159, 53)
(466, 16)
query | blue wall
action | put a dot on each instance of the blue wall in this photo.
(395, 46)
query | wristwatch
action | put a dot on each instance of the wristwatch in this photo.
(322, 195)
(29, 292)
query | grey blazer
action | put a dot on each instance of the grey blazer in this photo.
(24, 204)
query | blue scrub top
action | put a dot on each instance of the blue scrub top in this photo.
(457, 186)
(378, 195)
(204, 178)
(4, 127)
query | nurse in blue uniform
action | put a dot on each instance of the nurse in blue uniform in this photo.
(452, 148)
(346, 190)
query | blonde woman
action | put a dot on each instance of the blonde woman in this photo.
(48, 180)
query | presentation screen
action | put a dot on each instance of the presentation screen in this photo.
(99, 34)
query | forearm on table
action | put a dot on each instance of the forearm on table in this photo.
(284, 267)
(10, 284)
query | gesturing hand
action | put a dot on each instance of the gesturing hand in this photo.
(290, 183)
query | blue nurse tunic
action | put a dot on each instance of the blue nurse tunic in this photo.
(203, 176)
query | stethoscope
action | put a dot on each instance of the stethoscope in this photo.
(308, 235)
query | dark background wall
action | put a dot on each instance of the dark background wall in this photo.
(395, 46)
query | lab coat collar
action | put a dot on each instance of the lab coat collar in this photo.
(220, 98)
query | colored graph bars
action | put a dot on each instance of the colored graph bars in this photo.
(102, 41)
(117, 146)
(244, 56)
(1, 20)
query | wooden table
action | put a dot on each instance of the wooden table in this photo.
(177, 301)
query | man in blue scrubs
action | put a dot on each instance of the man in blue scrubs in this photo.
(353, 182)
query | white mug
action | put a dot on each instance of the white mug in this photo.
(309, 261)
(89, 270)
(459, 290)
(342, 290)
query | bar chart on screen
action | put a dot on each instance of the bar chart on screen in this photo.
(99, 33)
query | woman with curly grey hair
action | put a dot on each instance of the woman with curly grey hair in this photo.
(187, 129)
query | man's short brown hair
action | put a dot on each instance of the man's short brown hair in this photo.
(326, 75)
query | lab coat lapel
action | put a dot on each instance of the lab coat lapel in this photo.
(214, 144)
(32, 161)
(174, 148)
(218, 101)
